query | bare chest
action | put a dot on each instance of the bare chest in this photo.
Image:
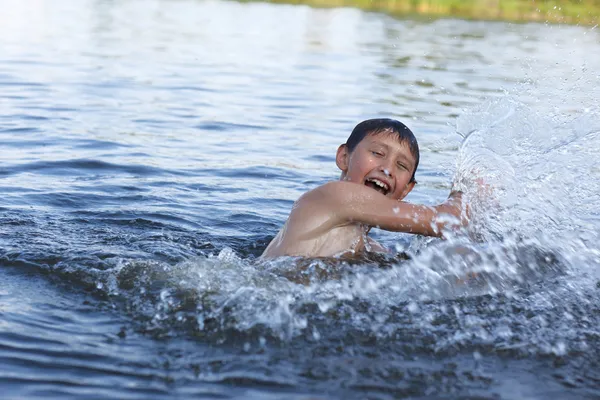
(341, 240)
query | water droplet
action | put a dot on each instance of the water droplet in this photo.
(413, 307)
(315, 334)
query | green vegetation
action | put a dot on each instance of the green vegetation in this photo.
(585, 12)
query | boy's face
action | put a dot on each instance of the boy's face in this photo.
(381, 162)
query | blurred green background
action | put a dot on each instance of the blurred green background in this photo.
(583, 12)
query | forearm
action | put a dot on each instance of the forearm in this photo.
(417, 219)
(355, 203)
(427, 220)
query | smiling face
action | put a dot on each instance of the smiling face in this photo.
(381, 162)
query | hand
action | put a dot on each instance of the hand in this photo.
(450, 213)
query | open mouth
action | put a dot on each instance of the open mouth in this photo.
(378, 185)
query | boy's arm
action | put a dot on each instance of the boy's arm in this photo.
(357, 203)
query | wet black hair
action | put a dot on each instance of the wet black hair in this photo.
(385, 125)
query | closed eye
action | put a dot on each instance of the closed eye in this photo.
(401, 166)
(377, 153)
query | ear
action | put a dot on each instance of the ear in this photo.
(407, 189)
(341, 158)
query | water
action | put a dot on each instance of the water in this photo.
(150, 151)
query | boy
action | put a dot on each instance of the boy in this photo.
(378, 164)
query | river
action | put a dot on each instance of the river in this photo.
(151, 149)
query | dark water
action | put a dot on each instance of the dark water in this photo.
(151, 149)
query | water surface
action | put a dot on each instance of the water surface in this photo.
(151, 149)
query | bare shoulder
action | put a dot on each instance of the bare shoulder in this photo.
(319, 206)
(312, 202)
(338, 202)
(323, 194)
(332, 192)
(343, 199)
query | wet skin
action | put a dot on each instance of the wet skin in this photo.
(334, 219)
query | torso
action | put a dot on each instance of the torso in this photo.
(335, 242)
(312, 231)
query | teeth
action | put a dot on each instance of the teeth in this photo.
(379, 183)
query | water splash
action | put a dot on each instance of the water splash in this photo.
(532, 184)
(527, 175)
(530, 174)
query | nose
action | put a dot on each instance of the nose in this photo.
(387, 167)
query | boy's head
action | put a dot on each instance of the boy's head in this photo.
(381, 153)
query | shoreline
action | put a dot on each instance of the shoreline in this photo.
(566, 12)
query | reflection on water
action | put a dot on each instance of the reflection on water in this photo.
(148, 160)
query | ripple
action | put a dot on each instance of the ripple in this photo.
(226, 126)
(18, 130)
(78, 167)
